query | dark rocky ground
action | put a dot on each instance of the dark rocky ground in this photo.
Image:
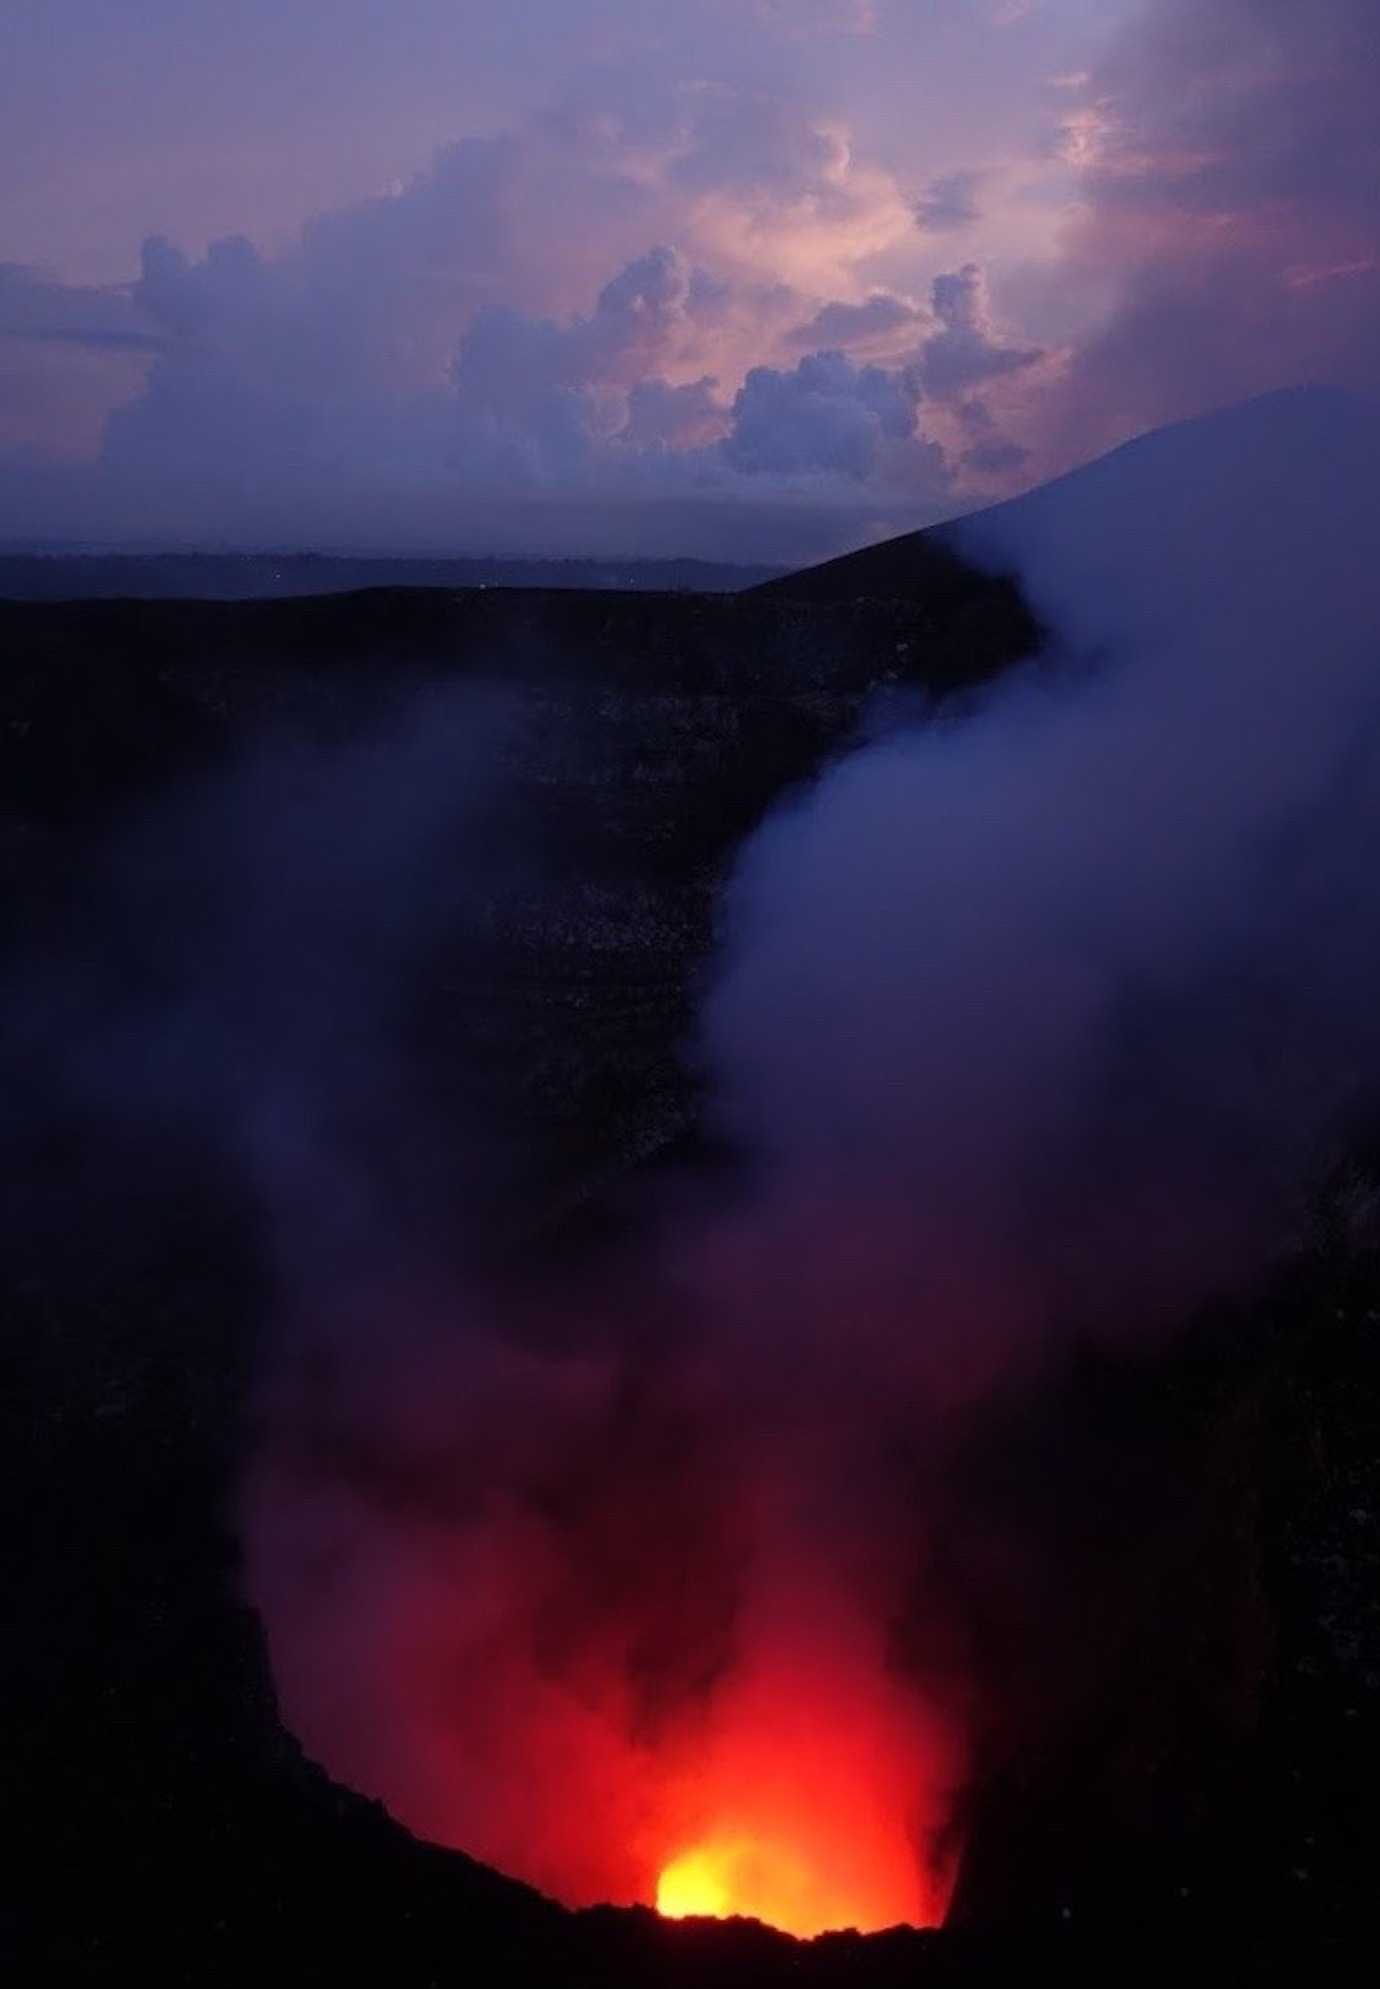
(1201, 1795)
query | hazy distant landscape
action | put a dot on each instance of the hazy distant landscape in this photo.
(56, 575)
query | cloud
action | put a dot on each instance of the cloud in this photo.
(558, 386)
(562, 395)
(67, 352)
(1230, 169)
(430, 357)
(803, 18)
(989, 453)
(769, 189)
(827, 414)
(877, 319)
(36, 306)
(664, 417)
(965, 351)
(949, 202)
(1187, 216)
(960, 353)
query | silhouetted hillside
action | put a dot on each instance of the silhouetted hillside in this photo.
(958, 567)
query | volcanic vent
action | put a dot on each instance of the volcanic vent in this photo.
(612, 1632)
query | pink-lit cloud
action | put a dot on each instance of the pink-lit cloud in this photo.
(635, 288)
(1229, 160)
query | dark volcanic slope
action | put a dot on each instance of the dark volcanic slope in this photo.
(919, 566)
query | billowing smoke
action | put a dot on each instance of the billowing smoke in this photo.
(232, 981)
(1059, 991)
(650, 1568)
(1029, 1021)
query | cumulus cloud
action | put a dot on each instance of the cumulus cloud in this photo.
(432, 355)
(966, 351)
(1185, 218)
(959, 356)
(826, 414)
(423, 357)
(556, 386)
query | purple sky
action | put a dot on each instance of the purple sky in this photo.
(753, 277)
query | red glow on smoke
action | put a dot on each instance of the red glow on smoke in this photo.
(802, 1794)
(806, 1817)
(629, 1637)
(814, 1793)
(800, 1780)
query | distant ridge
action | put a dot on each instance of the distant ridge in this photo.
(38, 573)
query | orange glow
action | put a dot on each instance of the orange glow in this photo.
(702, 1882)
(759, 1881)
(807, 1805)
(806, 1783)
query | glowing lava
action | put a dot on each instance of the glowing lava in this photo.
(759, 1881)
(808, 1854)
(702, 1882)
(810, 1799)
